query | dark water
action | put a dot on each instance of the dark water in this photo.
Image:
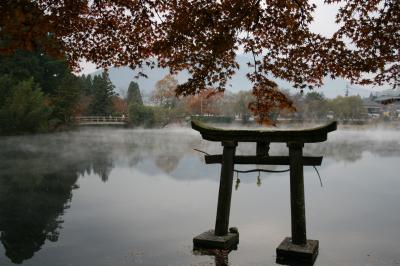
(124, 197)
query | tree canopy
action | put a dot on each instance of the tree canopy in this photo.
(164, 92)
(103, 93)
(134, 95)
(203, 38)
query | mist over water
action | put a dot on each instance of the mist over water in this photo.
(106, 196)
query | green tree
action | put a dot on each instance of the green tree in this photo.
(65, 98)
(86, 84)
(140, 115)
(134, 95)
(103, 93)
(52, 77)
(241, 103)
(350, 107)
(6, 84)
(25, 110)
(314, 106)
(46, 71)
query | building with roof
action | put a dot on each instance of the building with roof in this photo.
(374, 109)
(387, 97)
(386, 103)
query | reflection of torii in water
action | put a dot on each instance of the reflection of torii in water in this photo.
(221, 256)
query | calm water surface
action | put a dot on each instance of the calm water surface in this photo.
(137, 197)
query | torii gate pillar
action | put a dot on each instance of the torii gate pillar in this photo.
(220, 237)
(297, 248)
(225, 188)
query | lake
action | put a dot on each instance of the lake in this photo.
(138, 197)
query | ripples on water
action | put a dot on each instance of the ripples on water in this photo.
(137, 197)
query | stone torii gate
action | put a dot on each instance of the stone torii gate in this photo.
(297, 247)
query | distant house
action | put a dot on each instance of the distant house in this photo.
(388, 97)
(374, 109)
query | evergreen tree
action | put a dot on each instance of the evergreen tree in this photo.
(25, 110)
(48, 79)
(103, 92)
(134, 95)
(46, 71)
(86, 84)
(140, 115)
(66, 98)
(6, 84)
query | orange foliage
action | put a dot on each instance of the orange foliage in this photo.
(120, 106)
(268, 99)
(164, 93)
(82, 106)
(205, 102)
(203, 37)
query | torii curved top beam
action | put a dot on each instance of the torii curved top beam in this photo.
(309, 135)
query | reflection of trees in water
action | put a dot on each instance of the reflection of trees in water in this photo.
(31, 207)
(167, 163)
(38, 174)
(36, 186)
(339, 151)
(351, 151)
(102, 164)
(344, 146)
(163, 147)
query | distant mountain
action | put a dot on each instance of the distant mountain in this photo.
(122, 76)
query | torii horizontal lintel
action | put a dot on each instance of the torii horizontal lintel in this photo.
(309, 135)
